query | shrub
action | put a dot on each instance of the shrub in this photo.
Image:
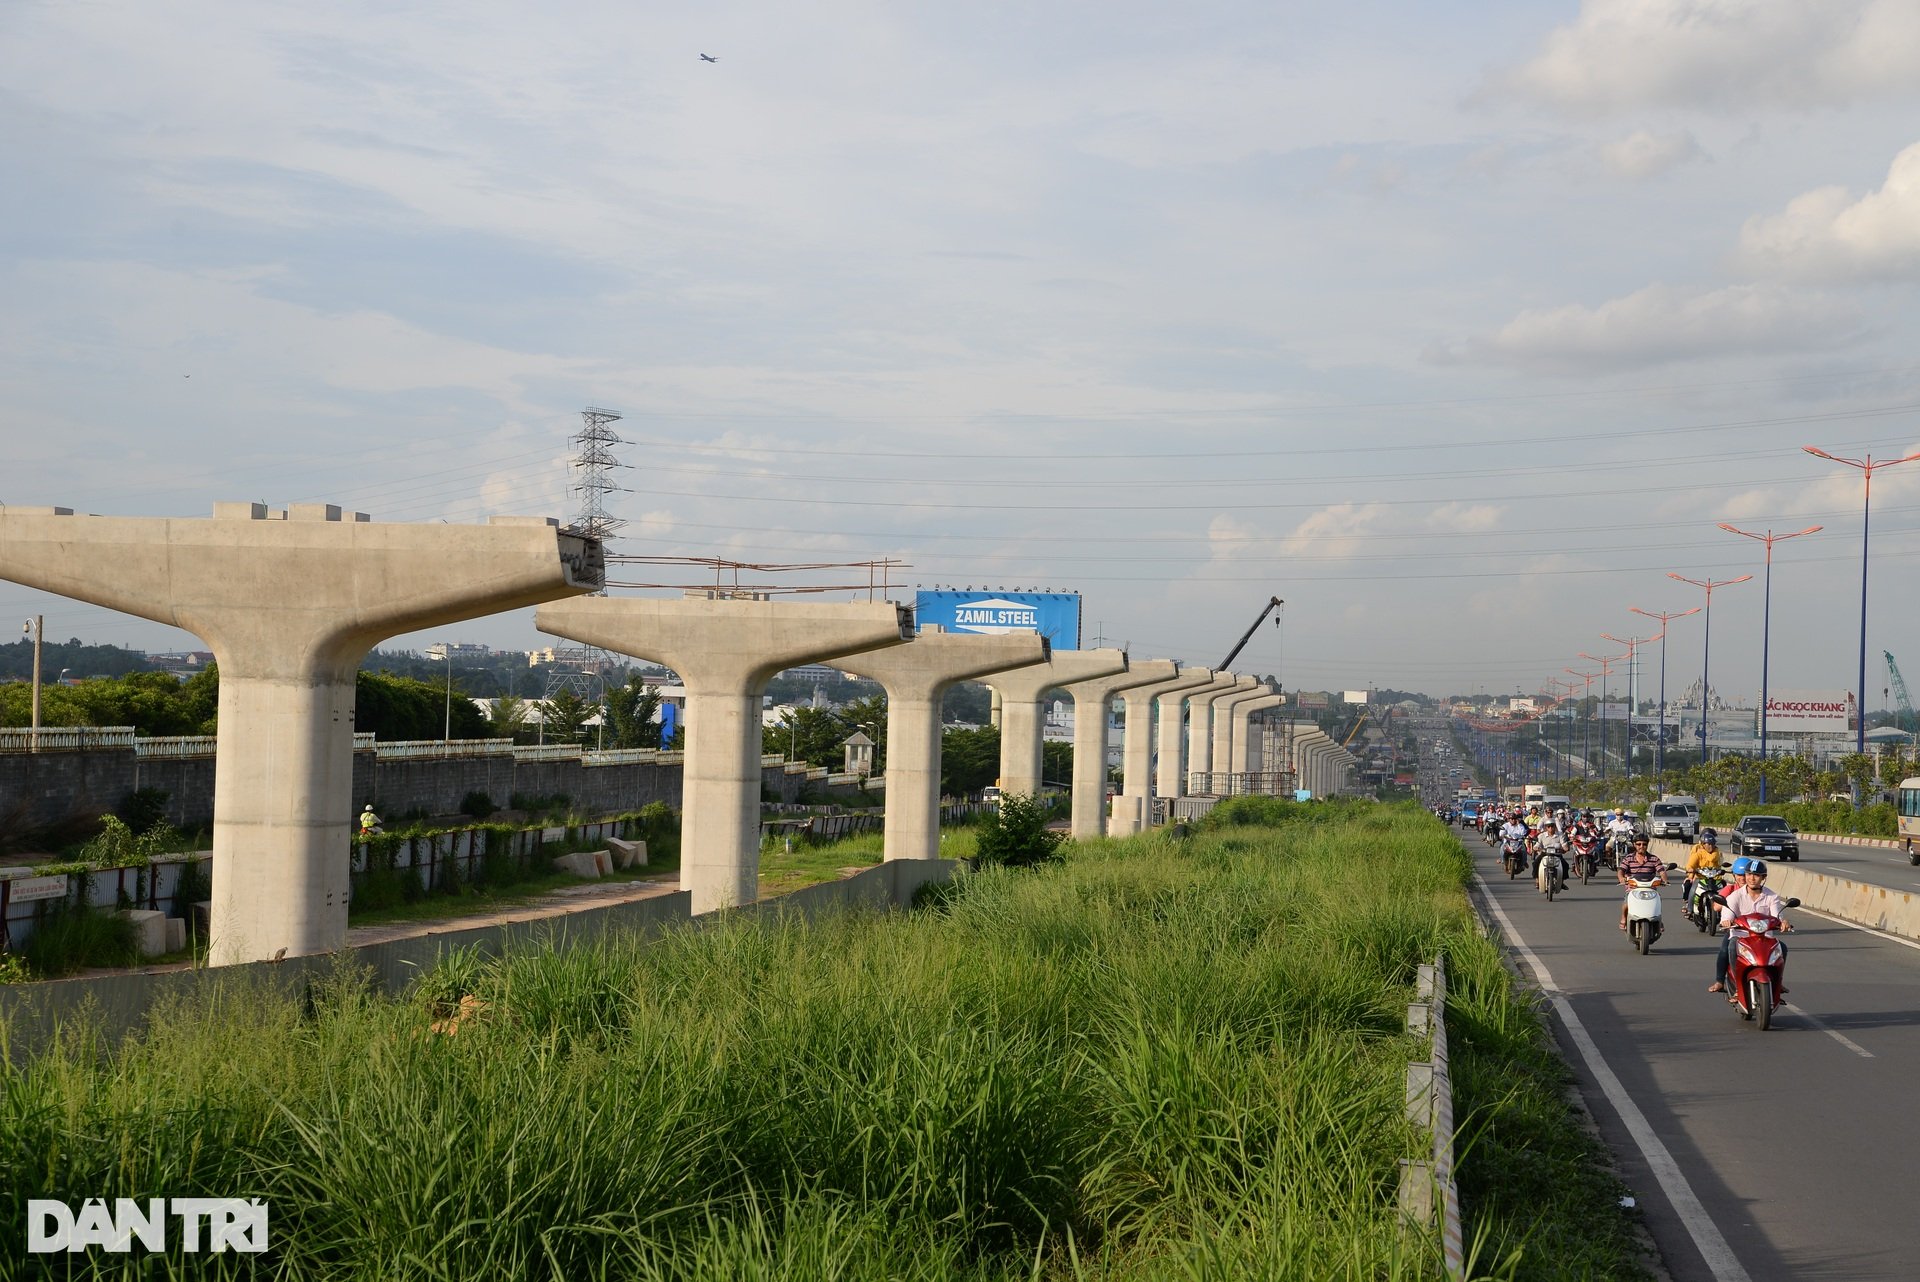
(14, 969)
(1015, 835)
(143, 809)
(71, 937)
(477, 805)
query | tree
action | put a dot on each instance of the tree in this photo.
(511, 715)
(969, 760)
(566, 716)
(630, 709)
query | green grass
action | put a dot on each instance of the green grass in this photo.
(1156, 1060)
(783, 871)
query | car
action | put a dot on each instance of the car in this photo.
(1675, 817)
(1765, 835)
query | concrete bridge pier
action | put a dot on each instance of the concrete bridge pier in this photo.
(1090, 699)
(290, 602)
(1170, 772)
(725, 651)
(1200, 721)
(1242, 731)
(1019, 693)
(1223, 710)
(916, 676)
(1132, 809)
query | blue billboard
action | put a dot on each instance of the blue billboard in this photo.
(1054, 615)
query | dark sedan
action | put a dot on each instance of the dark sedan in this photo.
(1765, 837)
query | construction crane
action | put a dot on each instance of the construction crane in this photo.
(1904, 701)
(1358, 721)
(1247, 636)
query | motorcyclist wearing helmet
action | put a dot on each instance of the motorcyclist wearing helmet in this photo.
(1703, 858)
(1752, 896)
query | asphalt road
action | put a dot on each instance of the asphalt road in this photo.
(1793, 1153)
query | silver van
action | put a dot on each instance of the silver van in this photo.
(1674, 817)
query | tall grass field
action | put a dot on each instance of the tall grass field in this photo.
(1157, 1059)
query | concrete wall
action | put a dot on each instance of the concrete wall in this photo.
(116, 1005)
(51, 787)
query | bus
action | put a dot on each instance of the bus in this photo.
(1909, 810)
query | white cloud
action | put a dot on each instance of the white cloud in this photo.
(1662, 324)
(1624, 55)
(1826, 235)
(1643, 154)
(1333, 532)
(1466, 518)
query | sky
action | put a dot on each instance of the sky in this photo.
(1458, 327)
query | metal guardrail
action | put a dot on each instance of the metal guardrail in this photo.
(64, 738)
(1427, 1183)
(174, 747)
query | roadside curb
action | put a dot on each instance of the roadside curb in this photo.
(1430, 1107)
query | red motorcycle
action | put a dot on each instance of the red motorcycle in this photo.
(1586, 855)
(1759, 964)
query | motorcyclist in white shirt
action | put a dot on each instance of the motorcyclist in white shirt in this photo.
(1550, 844)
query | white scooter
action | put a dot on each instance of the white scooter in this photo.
(1643, 911)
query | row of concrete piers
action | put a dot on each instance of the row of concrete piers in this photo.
(291, 601)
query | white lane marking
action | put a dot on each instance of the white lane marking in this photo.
(1713, 1248)
(1894, 939)
(1835, 867)
(1818, 1023)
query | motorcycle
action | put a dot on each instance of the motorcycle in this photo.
(1759, 964)
(1644, 926)
(1617, 848)
(1586, 856)
(1513, 856)
(1702, 903)
(1551, 873)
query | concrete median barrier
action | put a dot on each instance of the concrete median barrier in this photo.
(1892, 911)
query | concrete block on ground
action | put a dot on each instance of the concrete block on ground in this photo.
(149, 930)
(583, 863)
(176, 934)
(627, 854)
(202, 917)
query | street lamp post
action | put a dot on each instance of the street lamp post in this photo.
(1866, 466)
(1766, 623)
(1606, 670)
(1633, 645)
(1706, 647)
(1586, 749)
(36, 628)
(446, 725)
(1660, 749)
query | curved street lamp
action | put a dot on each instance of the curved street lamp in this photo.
(1606, 670)
(1586, 765)
(1866, 466)
(1633, 645)
(1660, 749)
(1706, 649)
(1766, 624)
